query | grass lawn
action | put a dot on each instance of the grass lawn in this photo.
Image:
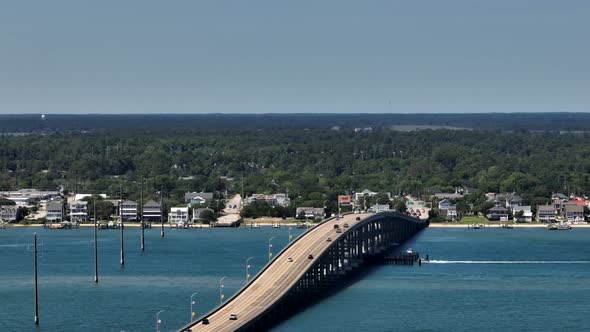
(473, 220)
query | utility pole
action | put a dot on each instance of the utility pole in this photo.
(161, 213)
(36, 293)
(141, 218)
(95, 245)
(122, 225)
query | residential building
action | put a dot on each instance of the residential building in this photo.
(8, 213)
(498, 213)
(546, 213)
(447, 209)
(527, 213)
(272, 199)
(78, 211)
(54, 212)
(197, 198)
(360, 196)
(512, 201)
(310, 212)
(574, 212)
(129, 210)
(178, 215)
(152, 211)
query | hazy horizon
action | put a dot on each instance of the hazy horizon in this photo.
(268, 57)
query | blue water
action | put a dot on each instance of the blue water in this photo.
(489, 279)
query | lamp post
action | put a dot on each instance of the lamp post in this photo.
(290, 236)
(158, 321)
(192, 303)
(221, 295)
(270, 246)
(248, 269)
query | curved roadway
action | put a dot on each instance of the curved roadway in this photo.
(277, 279)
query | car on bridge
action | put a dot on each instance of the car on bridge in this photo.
(205, 321)
(233, 317)
(329, 239)
(338, 230)
(290, 259)
(345, 225)
(310, 256)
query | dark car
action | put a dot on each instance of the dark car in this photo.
(329, 239)
(233, 316)
(310, 256)
(358, 218)
(205, 321)
(345, 225)
(336, 226)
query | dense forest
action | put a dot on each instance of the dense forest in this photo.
(311, 165)
(35, 123)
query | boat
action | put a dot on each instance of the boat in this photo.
(276, 225)
(254, 225)
(559, 227)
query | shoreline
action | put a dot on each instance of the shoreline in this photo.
(451, 225)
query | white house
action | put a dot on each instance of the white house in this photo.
(380, 208)
(527, 214)
(78, 211)
(8, 213)
(178, 215)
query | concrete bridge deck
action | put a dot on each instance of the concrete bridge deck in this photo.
(277, 279)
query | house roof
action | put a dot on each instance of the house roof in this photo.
(444, 201)
(545, 208)
(513, 198)
(574, 208)
(54, 205)
(558, 196)
(152, 203)
(129, 203)
(499, 209)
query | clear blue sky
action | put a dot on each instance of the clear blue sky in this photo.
(274, 56)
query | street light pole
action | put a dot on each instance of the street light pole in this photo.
(221, 289)
(192, 303)
(248, 269)
(270, 246)
(158, 321)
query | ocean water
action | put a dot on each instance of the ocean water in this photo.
(489, 279)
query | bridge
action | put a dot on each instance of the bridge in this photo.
(315, 262)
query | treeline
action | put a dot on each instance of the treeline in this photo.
(312, 165)
(52, 123)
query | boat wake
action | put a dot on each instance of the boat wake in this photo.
(504, 262)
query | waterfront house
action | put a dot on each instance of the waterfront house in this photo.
(574, 212)
(498, 213)
(152, 211)
(272, 199)
(512, 201)
(129, 210)
(8, 213)
(447, 209)
(198, 214)
(527, 213)
(310, 212)
(546, 213)
(78, 211)
(54, 212)
(178, 215)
